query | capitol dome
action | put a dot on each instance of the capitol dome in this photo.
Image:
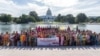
(48, 17)
(49, 12)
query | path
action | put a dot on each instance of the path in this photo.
(50, 51)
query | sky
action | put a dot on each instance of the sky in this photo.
(18, 7)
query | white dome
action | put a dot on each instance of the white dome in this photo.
(49, 12)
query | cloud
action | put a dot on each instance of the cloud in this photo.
(22, 2)
(60, 3)
(89, 7)
(9, 7)
(18, 7)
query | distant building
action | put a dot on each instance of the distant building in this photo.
(93, 16)
(48, 17)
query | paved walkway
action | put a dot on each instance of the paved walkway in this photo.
(50, 51)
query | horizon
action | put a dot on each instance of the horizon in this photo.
(18, 7)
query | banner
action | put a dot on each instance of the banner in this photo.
(48, 41)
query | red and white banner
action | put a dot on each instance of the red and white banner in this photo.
(48, 41)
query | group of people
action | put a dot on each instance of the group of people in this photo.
(66, 37)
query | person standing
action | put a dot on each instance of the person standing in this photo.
(6, 39)
(84, 38)
(12, 39)
(93, 39)
(1, 38)
(17, 35)
(29, 40)
(23, 39)
(87, 39)
(98, 39)
(61, 40)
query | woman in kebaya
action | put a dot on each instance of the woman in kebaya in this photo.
(23, 39)
(6, 39)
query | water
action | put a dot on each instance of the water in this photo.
(14, 27)
(19, 27)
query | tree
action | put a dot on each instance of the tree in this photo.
(70, 18)
(81, 18)
(16, 20)
(58, 18)
(5, 18)
(31, 19)
(23, 18)
(98, 19)
(34, 14)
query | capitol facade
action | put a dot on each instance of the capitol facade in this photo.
(48, 17)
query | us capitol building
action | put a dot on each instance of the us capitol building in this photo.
(48, 17)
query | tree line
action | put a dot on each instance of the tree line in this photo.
(80, 18)
(32, 17)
